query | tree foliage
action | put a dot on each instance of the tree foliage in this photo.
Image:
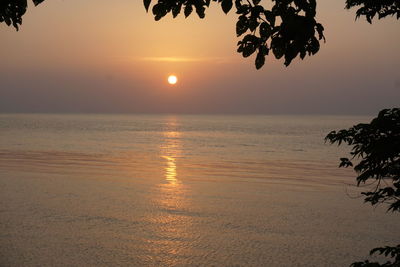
(288, 29)
(11, 11)
(376, 148)
(392, 252)
(285, 29)
(371, 8)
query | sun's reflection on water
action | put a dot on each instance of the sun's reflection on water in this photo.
(170, 170)
(171, 150)
(172, 219)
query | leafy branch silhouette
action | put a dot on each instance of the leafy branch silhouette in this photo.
(288, 29)
(377, 147)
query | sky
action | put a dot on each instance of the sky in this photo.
(96, 57)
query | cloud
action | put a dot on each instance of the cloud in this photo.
(185, 59)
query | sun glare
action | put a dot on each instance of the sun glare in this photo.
(172, 79)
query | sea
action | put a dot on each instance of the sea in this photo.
(182, 190)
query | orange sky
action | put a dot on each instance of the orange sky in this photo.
(91, 56)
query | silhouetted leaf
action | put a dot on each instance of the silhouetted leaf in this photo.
(248, 45)
(256, 11)
(270, 17)
(241, 9)
(320, 30)
(260, 59)
(188, 10)
(302, 53)
(265, 30)
(146, 4)
(176, 10)
(226, 5)
(200, 10)
(241, 25)
(159, 11)
(314, 46)
(253, 24)
(277, 47)
(37, 2)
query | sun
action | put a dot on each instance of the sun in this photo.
(172, 79)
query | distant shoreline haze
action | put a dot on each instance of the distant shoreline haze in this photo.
(193, 114)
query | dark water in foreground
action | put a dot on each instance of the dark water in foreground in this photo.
(141, 190)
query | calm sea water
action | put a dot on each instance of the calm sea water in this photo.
(165, 190)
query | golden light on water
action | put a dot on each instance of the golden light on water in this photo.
(170, 170)
(172, 79)
(171, 150)
(172, 225)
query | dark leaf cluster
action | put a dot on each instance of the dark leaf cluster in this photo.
(288, 29)
(11, 11)
(371, 8)
(376, 146)
(392, 252)
(164, 7)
